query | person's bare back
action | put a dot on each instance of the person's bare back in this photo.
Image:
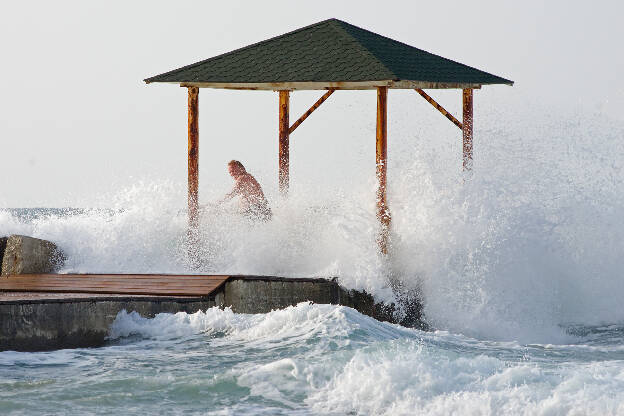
(252, 203)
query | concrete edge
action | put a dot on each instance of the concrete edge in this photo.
(283, 279)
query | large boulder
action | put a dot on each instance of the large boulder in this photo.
(27, 255)
(3, 241)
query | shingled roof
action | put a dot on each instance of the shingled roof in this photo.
(329, 54)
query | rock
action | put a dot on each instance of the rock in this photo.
(3, 241)
(26, 255)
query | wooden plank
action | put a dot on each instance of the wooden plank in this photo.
(109, 286)
(104, 285)
(88, 280)
(115, 292)
(123, 276)
(168, 285)
(121, 281)
(114, 289)
(113, 279)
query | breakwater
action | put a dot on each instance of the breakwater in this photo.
(45, 321)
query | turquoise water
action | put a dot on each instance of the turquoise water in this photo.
(314, 359)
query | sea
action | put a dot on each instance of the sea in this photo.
(519, 265)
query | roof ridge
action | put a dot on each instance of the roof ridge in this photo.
(412, 47)
(214, 58)
(363, 49)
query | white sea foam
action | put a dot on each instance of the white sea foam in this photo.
(293, 323)
(406, 380)
(338, 361)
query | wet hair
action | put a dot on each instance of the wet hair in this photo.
(237, 164)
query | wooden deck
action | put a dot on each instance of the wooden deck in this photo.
(121, 284)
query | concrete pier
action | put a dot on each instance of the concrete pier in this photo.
(39, 323)
(45, 321)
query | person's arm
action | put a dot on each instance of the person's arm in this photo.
(235, 191)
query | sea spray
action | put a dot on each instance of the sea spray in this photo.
(529, 243)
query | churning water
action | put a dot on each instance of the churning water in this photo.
(314, 359)
(519, 267)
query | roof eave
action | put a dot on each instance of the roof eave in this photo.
(326, 85)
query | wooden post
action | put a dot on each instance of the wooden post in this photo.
(284, 152)
(467, 128)
(193, 155)
(382, 166)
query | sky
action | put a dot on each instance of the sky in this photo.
(77, 123)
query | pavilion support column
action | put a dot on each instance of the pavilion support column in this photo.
(467, 129)
(383, 213)
(193, 157)
(284, 150)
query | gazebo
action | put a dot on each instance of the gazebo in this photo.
(330, 55)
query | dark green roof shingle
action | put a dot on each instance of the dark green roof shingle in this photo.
(329, 51)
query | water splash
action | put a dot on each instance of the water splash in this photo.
(530, 243)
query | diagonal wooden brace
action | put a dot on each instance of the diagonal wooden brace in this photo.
(305, 115)
(440, 108)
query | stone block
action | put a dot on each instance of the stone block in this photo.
(3, 241)
(27, 255)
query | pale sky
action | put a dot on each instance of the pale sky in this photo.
(77, 121)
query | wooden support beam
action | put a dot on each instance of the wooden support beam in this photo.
(467, 129)
(284, 151)
(340, 85)
(439, 108)
(383, 213)
(193, 155)
(305, 115)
